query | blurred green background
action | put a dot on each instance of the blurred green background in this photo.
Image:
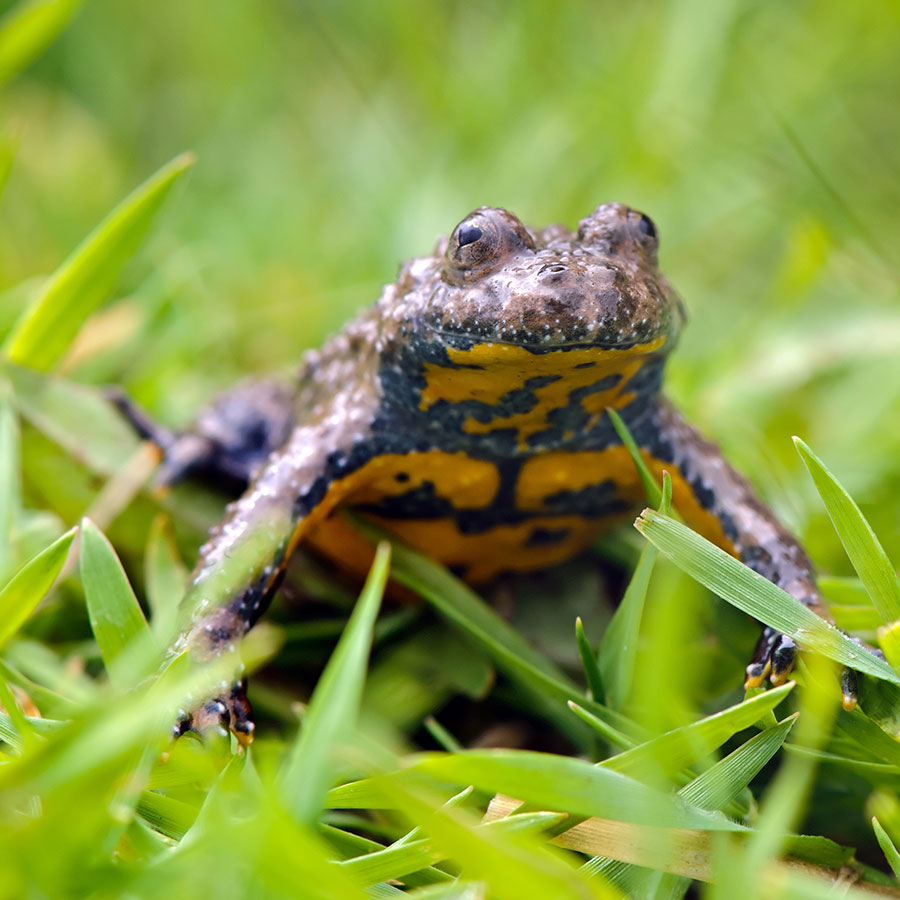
(336, 139)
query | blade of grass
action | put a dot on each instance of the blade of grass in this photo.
(116, 617)
(546, 781)
(27, 29)
(10, 484)
(165, 577)
(651, 488)
(618, 648)
(8, 147)
(863, 547)
(589, 663)
(516, 866)
(712, 789)
(887, 847)
(675, 750)
(755, 595)
(30, 585)
(400, 859)
(332, 712)
(49, 325)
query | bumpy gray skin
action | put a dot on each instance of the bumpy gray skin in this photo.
(360, 397)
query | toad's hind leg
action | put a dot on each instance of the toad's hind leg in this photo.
(229, 439)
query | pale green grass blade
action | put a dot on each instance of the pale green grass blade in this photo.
(724, 780)
(755, 595)
(27, 29)
(516, 866)
(402, 859)
(613, 737)
(459, 890)
(334, 707)
(589, 663)
(10, 480)
(887, 847)
(677, 749)
(562, 783)
(30, 585)
(75, 416)
(863, 547)
(116, 617)
(47, 328)
(710, 790)
(874, 739)
(8, 147)
(165, 577)
(651, 488)
(618, 648)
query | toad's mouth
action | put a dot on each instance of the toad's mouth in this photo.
(465, 340)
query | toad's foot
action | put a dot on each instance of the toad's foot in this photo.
(229, 712)
(774, 657)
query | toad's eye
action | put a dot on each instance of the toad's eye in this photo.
(646, 227)
(475, 243)
(467, 234)
(482, 241)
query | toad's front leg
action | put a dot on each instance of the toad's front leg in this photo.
(242, 564)
(720, 504)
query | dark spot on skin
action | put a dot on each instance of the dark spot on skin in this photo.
(402, 477)
(541, 537)
(458, 570)
(312, 498)
(728, 526)
(587, 365)
(592, 502)
(705, 495)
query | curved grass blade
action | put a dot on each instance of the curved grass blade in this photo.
(30, 585)
(546, 781)
(755, 595)
(675, 750)
(712, 789)
(887, 847)
(863, 548)
(49, 325)
(334, 707)
(116, 617)
(400, 859)
(516, 866)
(28, 29)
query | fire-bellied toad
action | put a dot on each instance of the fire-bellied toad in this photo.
(465, 413)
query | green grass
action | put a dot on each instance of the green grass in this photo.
(330, 142)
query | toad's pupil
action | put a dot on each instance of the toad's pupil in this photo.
(468, 234)
(647, 227)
